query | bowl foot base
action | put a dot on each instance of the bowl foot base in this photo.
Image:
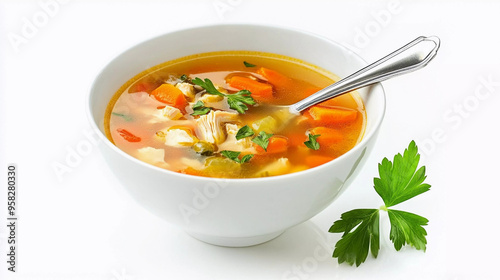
(235, 241)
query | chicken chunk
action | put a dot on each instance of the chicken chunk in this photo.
(210, 128)
(180, 137)
(232, 144)
(187, 89)
(151, 155)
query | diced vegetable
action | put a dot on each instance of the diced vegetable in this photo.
(222, 167)
(331, 115)
(316, 160)
(260, 91)
(267, 124)
(277, 144)
(170, 95)
(328, 136)
(275, 78)
(128, 136)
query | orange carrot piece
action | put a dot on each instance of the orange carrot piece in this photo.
(331, 115)
(277, 144)
(275, 78)
(316, 160)
(170, 95)
(328, 136)
(191, 171)
(128, 136)
(260, 91)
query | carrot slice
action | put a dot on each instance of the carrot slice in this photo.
(170, 95)
(277, 144)
(316, 160)
(128, 136)
(323, 115)
(275, 78)
(260, 91)
(328, 136)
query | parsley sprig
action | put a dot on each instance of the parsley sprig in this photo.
(312, 143)
(262, 139)
(235, 156)
(237, 101)
(399, 181)
(200, 109)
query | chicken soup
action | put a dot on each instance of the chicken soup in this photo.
(219, 115)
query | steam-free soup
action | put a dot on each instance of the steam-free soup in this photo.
(214, 115)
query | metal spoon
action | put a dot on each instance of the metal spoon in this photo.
(408, 58)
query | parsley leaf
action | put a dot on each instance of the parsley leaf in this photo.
(262, 139)
(249, 64)
(406, 228)
(237, 101)
(200, 109)
(356, 242)
(312, 143)
(235, 156)
(207, 85)
(183, 77)
(399, 181)
(244, 132)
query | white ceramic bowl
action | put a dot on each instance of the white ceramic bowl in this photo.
(234, 212)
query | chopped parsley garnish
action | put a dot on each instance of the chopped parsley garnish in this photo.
(399, 181)
(312, 143)
(183, 78)
(200, 109)
(262, 139)
(243, 132)
(235, 156)
(249, 64)
(237, 101)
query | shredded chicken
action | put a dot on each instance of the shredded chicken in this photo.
(209, 127)
(279, 167)
(168, 113)
(187, 89)
(151, 155)
(179, 137)
(232, 144)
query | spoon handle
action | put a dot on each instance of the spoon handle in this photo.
(408, 58)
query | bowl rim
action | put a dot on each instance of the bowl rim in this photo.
(366, 137)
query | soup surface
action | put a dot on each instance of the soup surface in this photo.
(215, 115)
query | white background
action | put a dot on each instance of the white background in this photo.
(82, 225)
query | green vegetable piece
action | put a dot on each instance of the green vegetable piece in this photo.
(268, 124)
(125, 117)
(235, 156)
(399, 181)
(262, 139)
(244, 132)
(237, 101)
(183, 77)
(249, 64)
(312, 143)
(200, 109)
